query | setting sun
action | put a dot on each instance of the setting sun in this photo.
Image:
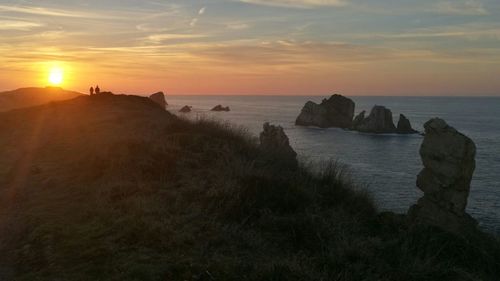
(56, 76)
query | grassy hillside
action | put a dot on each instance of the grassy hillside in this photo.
(26, 97)
(115, 188)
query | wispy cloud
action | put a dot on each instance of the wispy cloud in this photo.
(461, 7)
(159, 38)
(290, 52)
(419, 35)
(18, 25)
(473, 31)
(298, 3)
(193, 22)
(47, 12)
(237, 25)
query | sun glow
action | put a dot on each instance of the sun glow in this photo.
(56, 76)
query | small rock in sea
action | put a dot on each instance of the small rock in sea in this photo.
(221, 108)
(449, 162)
(186, 109)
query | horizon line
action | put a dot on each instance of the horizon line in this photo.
(493, 95)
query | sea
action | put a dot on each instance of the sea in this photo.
(384, 165)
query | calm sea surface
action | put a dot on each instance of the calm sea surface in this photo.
(385, 165)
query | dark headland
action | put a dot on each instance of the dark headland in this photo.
(113, 187)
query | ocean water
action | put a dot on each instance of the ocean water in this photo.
(385, 165)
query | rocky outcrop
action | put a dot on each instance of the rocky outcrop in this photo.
(159, 98)
(448, 159)
(221, 108)
(186, 109)
(379, 121)
(404, 126)
(337, 111)
(359, 119)
(274, 143)
(312, 114)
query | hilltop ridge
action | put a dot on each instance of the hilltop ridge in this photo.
(32, 96)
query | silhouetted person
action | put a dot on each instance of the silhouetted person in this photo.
(97, 90)
(91, 90)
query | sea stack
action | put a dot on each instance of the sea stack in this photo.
(449, 162)
(337, 111)
(159, 98)
(404, 126)
(274, 141)
(379, 121)
(358, 119)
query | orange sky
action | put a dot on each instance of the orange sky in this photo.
(291, 47)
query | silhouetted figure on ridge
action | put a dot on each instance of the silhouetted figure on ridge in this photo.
(97, 90)
(91, 90)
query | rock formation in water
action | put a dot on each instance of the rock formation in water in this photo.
(358, 119)
(186, 109)
(274, 141)
(337, 111)
(404, 126)
(448, 159)
(379, 121)
(159, 98)
(221, 108)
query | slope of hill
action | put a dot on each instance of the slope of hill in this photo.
(115, 188)
(26, 97)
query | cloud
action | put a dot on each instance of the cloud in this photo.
(418, 35)
(46, 12)
(461, 7)
(195, 20)
(292, 53)
(237, 26)
(158, 38)
(472, 31)
(304, 4)
(297, 54)
(18, 25)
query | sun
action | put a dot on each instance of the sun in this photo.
(56, 76)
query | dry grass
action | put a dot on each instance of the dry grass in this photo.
(125, 191)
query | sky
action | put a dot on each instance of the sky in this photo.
(275, 47)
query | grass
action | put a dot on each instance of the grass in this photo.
(162, 198)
